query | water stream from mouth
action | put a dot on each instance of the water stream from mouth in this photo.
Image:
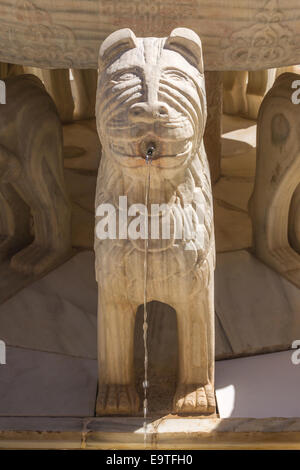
(149, 156)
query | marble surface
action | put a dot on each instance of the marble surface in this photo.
(58, 313)
(262, 386)
(81, 187)
(34, 383)
(258, 309)
(234, 192)
(240, 166)
(233, 229)
(11, 281)
(238, 136)
(239, 129)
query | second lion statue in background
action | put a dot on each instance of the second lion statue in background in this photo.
(35, 211)
(151, 101)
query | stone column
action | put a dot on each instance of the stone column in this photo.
(259, 83)
(3, 70)
(291, 68)
(57, 83)
(84, 90)
(234, 92)
(9, 70)
(213, 129)
(34, 71)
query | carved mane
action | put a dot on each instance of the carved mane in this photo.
(182, 186)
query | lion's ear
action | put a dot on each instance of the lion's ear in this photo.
(187, 43)
(115, 44)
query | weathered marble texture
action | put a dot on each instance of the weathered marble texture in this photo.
(56, 314)
(258, 309)
(236, 35)
(84, 90)
(275, 202)
(35, 224)
(157, 75)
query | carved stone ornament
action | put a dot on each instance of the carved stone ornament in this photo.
(151, 96)
(35, 219)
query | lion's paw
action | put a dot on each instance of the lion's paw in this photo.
(10, 245)
(191, 398)
(117, 400)
(36, 259)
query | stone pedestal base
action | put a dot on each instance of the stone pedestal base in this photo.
(165, 433)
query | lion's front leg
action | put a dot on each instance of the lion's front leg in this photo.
(195, 388)
(116, 319)
(14, 222)
(294, 221)
(51, 225)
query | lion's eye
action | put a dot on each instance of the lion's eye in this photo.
(124, 77)
(179, 77)
(176, 77)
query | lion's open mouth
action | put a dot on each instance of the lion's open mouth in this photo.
(152, 149)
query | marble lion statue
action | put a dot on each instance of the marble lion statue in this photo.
(274, 206)
(35, 220)
(151, 115)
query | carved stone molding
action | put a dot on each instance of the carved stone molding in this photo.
(244, 35)
(267, 40)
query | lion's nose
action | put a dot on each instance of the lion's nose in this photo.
(145, 112)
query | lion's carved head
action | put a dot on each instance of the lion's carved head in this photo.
(151, 98)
